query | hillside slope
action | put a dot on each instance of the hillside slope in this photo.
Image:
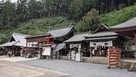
(32, 27)
(119, 16)
(39, 26)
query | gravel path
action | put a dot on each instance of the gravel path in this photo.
(80, 69)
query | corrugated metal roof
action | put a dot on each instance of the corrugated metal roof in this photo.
(101, 34)
(60, 32)
(77, 38)
(129, 23)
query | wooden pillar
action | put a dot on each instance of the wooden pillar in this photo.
(47, 40)
(135, 44)
(26, 49)
(135, 39)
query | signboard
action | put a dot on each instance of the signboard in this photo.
(75, 45)
(33, 44)
(106, 44)
(46, 51)
(78, 57)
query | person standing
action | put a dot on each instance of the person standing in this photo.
(9, 53)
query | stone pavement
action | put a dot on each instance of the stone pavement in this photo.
(15, 59)
(13, 69)
(80, 69)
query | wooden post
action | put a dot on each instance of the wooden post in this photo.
(135, 38)
(26, 49)
(135, 45)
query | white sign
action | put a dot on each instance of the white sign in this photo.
(106, 44)
(78, 57)
(46, 51)
(75, 45)
(33, 44)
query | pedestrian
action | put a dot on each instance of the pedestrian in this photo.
(9, 53)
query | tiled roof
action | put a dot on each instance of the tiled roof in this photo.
(129, 23)
(60, 32)
(19, 40)
(101, 34)
(8, 44)
(60, 46)
(77, 38)
(102, 38)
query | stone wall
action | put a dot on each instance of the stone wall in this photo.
(65, 57)
(97, 60)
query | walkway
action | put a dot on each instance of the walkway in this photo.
(15, 59)
(79, 69)
(13, 69)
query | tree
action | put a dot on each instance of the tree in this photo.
(35, 9)
(89, 22)
(8, 16)
(22, 10)
(76, 9)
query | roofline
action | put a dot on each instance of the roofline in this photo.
(100, 36)
(72, 27)
(106, 26)
(74, 41)
(36, 36)
(123, 29)
(59, 27)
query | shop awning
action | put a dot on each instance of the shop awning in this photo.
(60, 46)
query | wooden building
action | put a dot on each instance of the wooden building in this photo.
(77, 47)
(86, 46)
(40, 44)
(50, 44)
(16, 44)
(127, 28)
(59, 35)
(102, 38)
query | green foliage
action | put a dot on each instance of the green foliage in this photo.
(32, 27)
(79, 8)
(5, 35)
(75, 9)
(119, 16)
(8, 15)
(89, 22)
(41, 25)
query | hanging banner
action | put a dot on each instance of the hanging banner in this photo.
(75, 45)
(33, 44)
(106, 44)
